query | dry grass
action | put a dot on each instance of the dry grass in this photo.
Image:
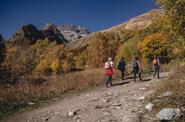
(14, 96)
(176, 84)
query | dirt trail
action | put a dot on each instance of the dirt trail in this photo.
(123, 102)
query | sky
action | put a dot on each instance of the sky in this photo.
(93, 14)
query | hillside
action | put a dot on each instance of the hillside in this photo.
(139, 22)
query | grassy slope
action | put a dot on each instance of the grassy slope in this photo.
(15, 97)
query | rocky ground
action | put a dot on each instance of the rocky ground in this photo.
(123, 102)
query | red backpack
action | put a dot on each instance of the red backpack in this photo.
(108, 69)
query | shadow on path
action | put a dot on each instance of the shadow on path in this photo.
(143, 79)
(122, 83)
(129, 79)
(148, 79)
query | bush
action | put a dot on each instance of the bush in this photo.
(155, 44)
(128, 50)
(173, 24)
(102, 46)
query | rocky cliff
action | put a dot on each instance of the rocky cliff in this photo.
(29, 34)
(26, 35)
(73, 32)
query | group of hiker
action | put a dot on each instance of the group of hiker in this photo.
(136, 69)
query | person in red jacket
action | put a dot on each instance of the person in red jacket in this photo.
(109, 71)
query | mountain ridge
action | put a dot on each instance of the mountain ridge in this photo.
(29, 34)
(141, 21)
(70, 34)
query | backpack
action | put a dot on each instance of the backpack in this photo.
(121, 65)
(135, 64)
(107, 65)
(155, 62)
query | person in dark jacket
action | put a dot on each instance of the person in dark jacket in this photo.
(121, 67)
(136, 68)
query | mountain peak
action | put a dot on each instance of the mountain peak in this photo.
(73, 32)
(49, 26)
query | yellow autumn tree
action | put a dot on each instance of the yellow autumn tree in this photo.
(155, 44)
(55, 65)
(128, 50)
(102, 46)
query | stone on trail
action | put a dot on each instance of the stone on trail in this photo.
(106, 113)
(168, 114)
(116, 104)
(57, 113)
(141, 98)
(72, 113)
(77, 117)
(130, 118)
(99, 107)
(168, 94)
(31, 103)
(106, 100)
(142, 88)
(107, 94)
(149, 106)
(87, 95)
(116, 95)
(94, 99)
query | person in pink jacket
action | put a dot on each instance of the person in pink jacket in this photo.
(109, 71)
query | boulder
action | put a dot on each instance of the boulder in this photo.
(168, 114)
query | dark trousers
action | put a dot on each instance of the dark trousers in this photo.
(136, 71)
(157, 70)
(122, 74)
(109, 80)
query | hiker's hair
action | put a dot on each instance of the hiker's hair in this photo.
(109, 59)
(136, 58)
(155, 56)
